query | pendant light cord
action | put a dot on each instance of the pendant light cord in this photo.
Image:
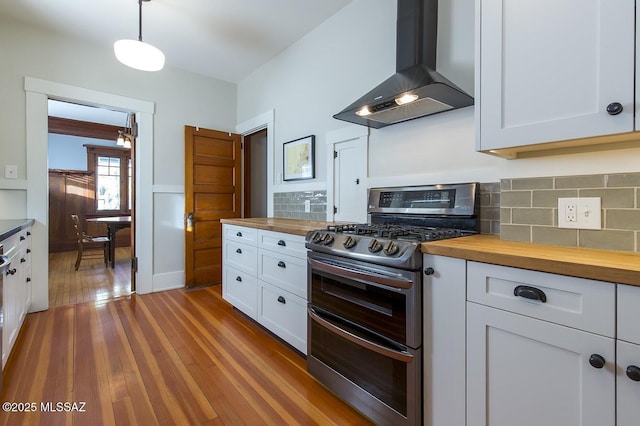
(140, 20)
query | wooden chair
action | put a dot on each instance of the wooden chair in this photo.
(83, 238)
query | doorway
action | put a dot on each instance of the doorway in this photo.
(255, 190)
(85, 161)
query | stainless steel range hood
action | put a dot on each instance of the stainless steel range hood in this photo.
(416, 89)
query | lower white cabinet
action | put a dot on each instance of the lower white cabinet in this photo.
(628, 356)
(533, 348)
(265, 276)
(16, 292)
(284, 314)
(529, 372)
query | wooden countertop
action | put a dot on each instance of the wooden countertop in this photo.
(604, 265)
(279, 224)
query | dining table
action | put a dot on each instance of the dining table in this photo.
(114, 224)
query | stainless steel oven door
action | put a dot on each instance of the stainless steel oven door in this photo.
(378, 377)
(381, 299)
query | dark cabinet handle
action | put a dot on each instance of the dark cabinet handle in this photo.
(281, 300)
(239, 251)
(281, 264)
(633, 372)
(282, 243)
(614, 108)
(28, 234)
(429, 271)
(596, 361)
(22, 238)
(238, 234)
(28, 279)
(28, 251)
(239, 279)
(530, 293)
(12, 271)
(22, 260)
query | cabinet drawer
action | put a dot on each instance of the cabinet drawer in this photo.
(292, 245)
(576, 302)
(241, 290)
(241, 256)
(10, 245)
(240, 234)
(629, 313)
(286, 272)
(285, 314)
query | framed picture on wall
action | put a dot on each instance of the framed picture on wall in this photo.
(299, 158)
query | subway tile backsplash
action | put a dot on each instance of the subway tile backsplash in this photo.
(291, 205)
(526, 209)
(529, 210)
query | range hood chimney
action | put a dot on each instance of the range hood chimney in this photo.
(416, 89)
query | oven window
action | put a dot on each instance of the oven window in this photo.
(380, 310)
(383, 377)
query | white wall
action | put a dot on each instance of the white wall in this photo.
(180, 98)
(355, 50)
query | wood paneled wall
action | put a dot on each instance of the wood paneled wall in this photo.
(72, 192)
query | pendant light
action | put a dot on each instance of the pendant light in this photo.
(126, 135)
(138, 54)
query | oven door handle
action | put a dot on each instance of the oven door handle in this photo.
(402, 283)
(402, 356)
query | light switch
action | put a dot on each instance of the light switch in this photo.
(580, 213)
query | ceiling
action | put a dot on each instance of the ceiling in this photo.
(224, 39)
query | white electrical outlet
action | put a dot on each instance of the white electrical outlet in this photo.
(579, 213)
(307, 206)
(10, 172)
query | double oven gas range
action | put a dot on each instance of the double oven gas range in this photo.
(365, 311)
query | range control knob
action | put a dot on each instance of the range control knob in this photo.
(327, 240)
(374, 246)
(316, 237)
(349, 242)
(391, 248)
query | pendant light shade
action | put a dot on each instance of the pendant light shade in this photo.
(138, 54)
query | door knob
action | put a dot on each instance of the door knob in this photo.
(596, 361)
(189, 222)
(633, 372)
(614, 108)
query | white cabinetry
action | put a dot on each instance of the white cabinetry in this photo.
(239, 268)
(282, 286)
(628, 355)
(534, 359)
(547, 71)
(16, 297)
(265, 276)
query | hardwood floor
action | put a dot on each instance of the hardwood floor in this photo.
(93, 281)
(174, 357)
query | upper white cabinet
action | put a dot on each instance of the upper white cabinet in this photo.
(549, 70)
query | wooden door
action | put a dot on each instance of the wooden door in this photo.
(528, 372)
(212, 192)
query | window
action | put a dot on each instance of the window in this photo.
(112, 171)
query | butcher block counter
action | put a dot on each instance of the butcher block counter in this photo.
(279, 224)
(604, 265)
